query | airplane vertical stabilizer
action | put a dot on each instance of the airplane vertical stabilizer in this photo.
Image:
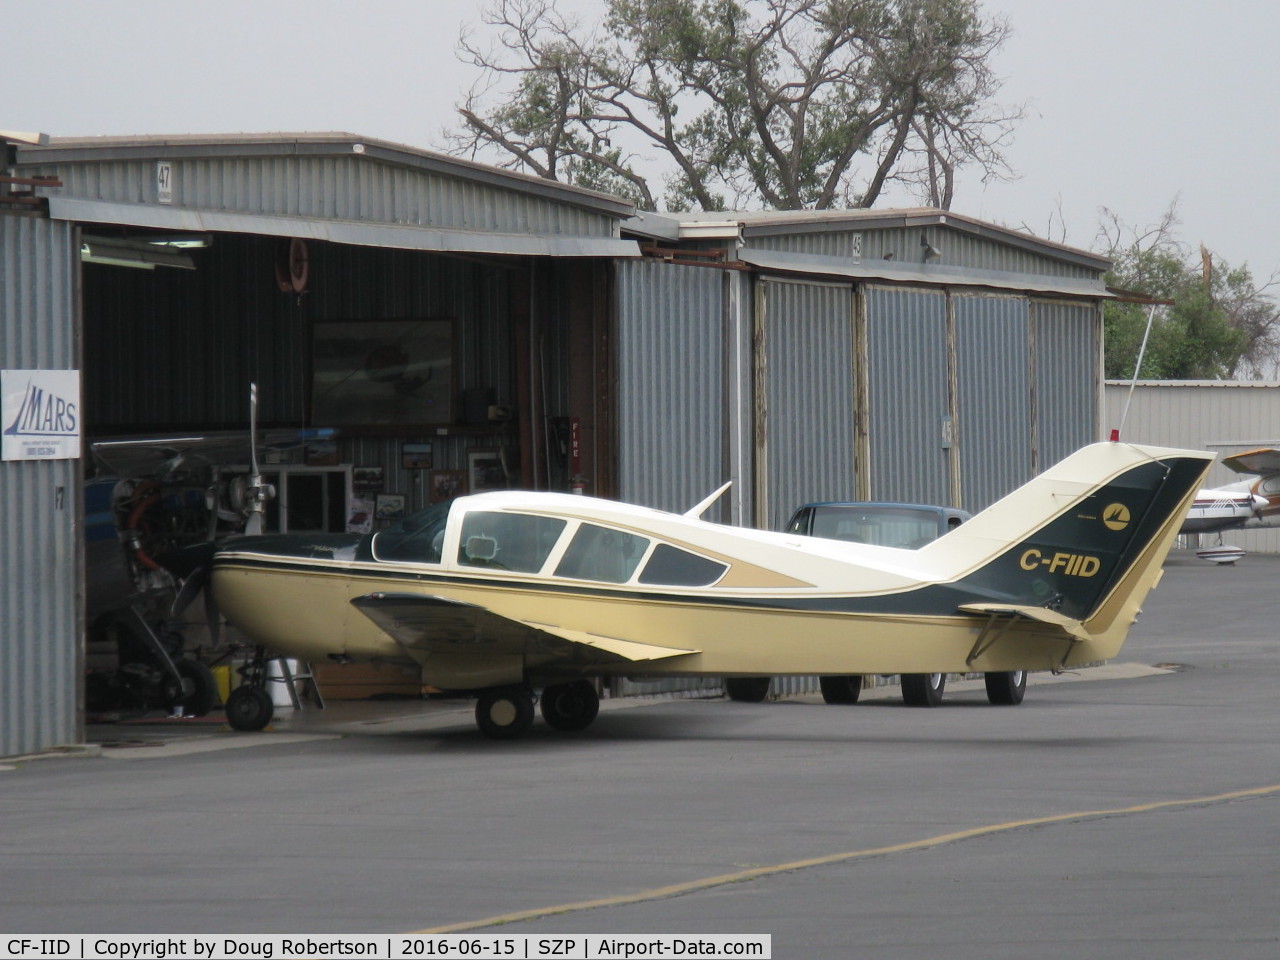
(1097, 527)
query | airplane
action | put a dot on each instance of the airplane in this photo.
(1253, 502)
(507, 593)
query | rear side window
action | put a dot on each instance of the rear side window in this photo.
(679, 568)
(598, 553)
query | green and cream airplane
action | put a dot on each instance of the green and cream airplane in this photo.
(530, 598)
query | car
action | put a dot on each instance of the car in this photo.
(905, 526)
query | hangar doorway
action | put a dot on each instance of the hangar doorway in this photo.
(418, 374)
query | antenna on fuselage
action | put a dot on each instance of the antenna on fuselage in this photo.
(702, 506)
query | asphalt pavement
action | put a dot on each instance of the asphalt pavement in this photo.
(1127, 811)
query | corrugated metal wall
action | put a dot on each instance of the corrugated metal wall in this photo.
(1221, 417)
(40, 552)
(907, 395)
(672, 422)
(1068, 350)
(993, 397)
(810, 387)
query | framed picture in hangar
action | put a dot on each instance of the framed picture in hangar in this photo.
(381, 376)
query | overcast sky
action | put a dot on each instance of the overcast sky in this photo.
(1132, 104)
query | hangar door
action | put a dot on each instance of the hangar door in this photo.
(993, 397)
(1068, 351)
(908, 396)
(806, 430)
(671, 357)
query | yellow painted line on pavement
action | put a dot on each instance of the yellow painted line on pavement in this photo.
(755, 873)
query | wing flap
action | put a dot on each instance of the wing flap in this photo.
(1070, 628)
(442, 625)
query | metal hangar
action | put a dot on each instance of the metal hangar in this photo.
(419, 325)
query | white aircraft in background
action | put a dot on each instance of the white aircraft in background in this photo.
(1249, 503)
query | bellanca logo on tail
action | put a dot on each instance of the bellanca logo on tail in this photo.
(40, 413)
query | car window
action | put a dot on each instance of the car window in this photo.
(599, 553)
(882, 526)
(507, 541)
(680, 568)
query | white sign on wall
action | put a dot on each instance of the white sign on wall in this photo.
(39, 414)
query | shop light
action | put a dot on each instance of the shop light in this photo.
(138, 254)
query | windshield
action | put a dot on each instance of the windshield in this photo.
(882, 526)
(417, 537)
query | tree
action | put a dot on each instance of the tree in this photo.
(790, 104)
(1211, 320)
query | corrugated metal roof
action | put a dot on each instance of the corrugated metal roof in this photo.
(749, 223)
(106, 149)
(337, 231)
(922, 274)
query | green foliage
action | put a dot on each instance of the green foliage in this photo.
(1213, 321)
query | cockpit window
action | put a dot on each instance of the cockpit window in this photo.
(508, 541)
(417, 537)
(680, 568)
(598, 553)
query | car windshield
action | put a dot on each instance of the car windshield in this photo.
(882, 526)
(417, 537)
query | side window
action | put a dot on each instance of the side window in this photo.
(598, 553)
(417, 537)
(508, 541)
(679, 568)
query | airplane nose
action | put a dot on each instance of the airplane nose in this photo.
(1260, 504)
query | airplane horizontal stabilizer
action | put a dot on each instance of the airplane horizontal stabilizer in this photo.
(442, 625)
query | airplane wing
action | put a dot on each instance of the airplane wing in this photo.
(441, 625)
(1261, 461)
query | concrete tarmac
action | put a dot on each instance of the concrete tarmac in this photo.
(1129, 811)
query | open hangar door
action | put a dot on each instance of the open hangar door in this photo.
(387, 380)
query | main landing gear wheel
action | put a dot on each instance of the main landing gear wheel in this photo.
(1006, 689)
(570, 706)
(747, 689)
(923, 689)
(249, 708)
(840, 689)
(504, 713)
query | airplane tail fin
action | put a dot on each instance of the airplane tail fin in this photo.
(1097, 527)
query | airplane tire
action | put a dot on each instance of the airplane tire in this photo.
(923, 689)
(200, 690)
(747, 689)
(1007, 688)
(840, 689)
(249, 708)
(570, 706)
(504, 713)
